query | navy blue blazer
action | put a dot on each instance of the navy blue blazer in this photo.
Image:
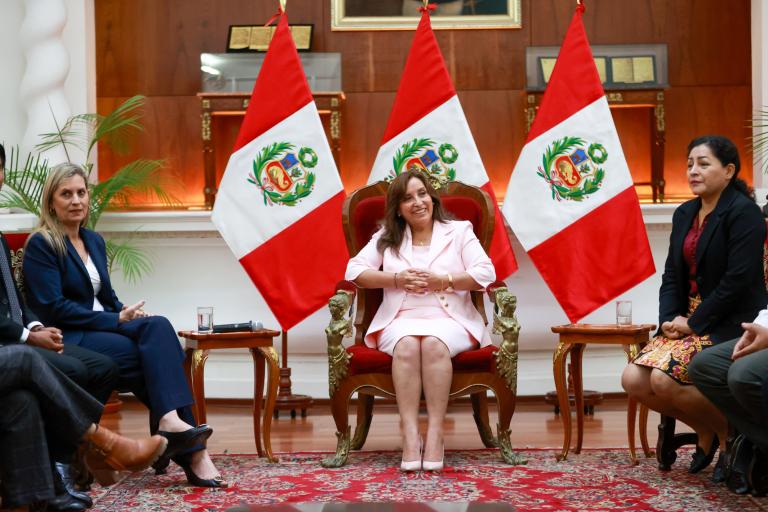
(59, 289)
(729, 267)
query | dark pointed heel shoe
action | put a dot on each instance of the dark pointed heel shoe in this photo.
(722, 466)
(179, 442)
(700, 460)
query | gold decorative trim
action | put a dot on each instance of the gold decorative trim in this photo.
(658, 113)
(339, 458)
(271, 353)
(339, 328)
(615, 97)
(505, 323)
(505, 447)
(334, 102)
(335, 125)
(206, 126)
(206, 103)
(561, 347)
(246, 102)
(530, 112)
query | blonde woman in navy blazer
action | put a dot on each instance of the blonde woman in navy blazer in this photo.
(67, 284)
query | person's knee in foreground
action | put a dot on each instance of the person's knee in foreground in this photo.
(55, 410)
(429, 265)
(713, 280)
(734, 377)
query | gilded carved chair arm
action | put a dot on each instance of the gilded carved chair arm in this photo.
(339, 328)
(505, 323)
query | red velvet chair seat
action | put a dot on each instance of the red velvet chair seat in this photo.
(369, 360)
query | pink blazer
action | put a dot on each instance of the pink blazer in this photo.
(454, 249)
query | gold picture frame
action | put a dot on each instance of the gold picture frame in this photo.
(396, 14)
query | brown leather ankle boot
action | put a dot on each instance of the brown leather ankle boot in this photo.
(109, 452)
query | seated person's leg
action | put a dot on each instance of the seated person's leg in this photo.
(25, 468)
(101, 372)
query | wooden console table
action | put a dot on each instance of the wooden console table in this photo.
(197, 346)
(573, 340)
(221, 116)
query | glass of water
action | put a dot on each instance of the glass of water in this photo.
(205, 319)
(623, 312)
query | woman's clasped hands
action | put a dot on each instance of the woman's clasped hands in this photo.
(133, 312)
(420, 281)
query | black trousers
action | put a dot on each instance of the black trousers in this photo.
(41, 412)
(96, 373)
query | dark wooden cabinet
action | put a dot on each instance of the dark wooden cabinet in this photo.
(221, 117)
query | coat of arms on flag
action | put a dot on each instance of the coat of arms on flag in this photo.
(282, 175)
(572, 169)
(420, 153)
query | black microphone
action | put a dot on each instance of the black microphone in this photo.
(248, 326)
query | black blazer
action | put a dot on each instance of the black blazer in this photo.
(59, 289)
(729, 267)
(10, 331)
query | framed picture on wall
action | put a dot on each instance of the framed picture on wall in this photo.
(404, 14)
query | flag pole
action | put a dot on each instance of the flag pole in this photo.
(286, 400)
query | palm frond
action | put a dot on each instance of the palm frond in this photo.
(759, 140)
(24, 182)
(132, 261)
(113, 128)
(138, 177)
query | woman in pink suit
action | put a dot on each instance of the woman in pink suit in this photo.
(426, 265)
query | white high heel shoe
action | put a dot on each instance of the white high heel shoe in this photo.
(429, 465)
(413, 465)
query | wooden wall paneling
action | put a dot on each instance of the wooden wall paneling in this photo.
(694, 111)
(363, 122)
(171, 132)
(497, 122)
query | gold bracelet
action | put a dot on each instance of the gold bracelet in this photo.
(450, 283)
(394, 278)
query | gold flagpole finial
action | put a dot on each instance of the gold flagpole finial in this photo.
(426, 3)
(282, 4)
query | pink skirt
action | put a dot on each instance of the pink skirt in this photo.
(426, 321)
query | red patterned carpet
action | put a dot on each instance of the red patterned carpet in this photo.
(595, 480)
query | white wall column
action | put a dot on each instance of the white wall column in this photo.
(48, 53)
(760, 82)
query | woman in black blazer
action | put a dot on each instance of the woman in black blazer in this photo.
(68, 285)
(713, 281)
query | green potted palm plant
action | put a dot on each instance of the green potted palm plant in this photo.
(24, 177)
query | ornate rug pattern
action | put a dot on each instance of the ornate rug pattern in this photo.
(595, 480)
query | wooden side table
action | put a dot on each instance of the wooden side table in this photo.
(197, 346)
(573, 340)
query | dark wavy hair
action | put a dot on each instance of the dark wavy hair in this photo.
(394, 224)
(725, 150)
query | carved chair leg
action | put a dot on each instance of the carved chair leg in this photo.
(364, 416)
(340, 411)
(339, 458)
(480, 413)
(505, 446)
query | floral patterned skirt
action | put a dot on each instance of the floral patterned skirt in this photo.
(672, 356)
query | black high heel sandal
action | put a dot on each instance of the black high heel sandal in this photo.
(185, 462)
(179, 442)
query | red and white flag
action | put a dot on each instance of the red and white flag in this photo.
(427, 128)
(278, 206)
(570, 200)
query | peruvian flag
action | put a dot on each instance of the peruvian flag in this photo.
(570, 200)
(427, 129)
(278, 206)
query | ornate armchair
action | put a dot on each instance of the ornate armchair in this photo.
(368, 372)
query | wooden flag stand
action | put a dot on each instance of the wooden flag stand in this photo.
(286, 400)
